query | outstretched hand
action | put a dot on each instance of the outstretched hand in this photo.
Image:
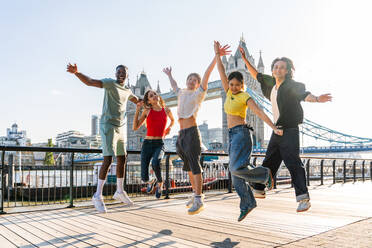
(325, 98)
(222, 51)
(140, 104)
(168, 71)
(242, 52)
(72, 68)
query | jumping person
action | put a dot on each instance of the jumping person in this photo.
(189, 142)
(285, 95)
(111, 129)
(155, 113)
(240, 142)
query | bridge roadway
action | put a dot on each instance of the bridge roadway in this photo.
(341, 216)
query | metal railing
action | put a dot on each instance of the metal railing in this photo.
(32, 183)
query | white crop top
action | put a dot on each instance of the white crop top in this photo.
(189, 102)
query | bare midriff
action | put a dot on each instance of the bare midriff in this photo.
(187, 122)
(234, 120)
(153, 137)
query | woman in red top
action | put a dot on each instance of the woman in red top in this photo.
(155, 113)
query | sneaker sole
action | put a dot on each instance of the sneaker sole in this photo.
(250, 210)
(303, 210)
(260, 196)
(197, 211)
(101, 212)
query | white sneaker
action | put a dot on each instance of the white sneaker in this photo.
(99, 204)
(260, 194)
(196, 207)
(304, 205)
(123, 197)
(191, 200)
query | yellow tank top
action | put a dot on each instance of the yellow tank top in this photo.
(236, 104)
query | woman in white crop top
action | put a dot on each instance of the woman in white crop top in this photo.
(189, 141)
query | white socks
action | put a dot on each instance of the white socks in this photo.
(99, 190)
(119, 185)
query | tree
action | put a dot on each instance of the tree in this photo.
(49, 158)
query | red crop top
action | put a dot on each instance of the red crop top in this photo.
(156, 122)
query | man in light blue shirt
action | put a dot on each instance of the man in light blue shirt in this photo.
(111, 129)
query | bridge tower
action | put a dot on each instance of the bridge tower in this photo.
(135, 138)
(236, 63)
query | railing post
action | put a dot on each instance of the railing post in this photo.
(72, 181)
(334, 170)
(344, 171)
(321, 171)
(354, 171)
(229, 185)
(363, 170)
(167, 177)
(370, 170)
(308, 172)
(2, 183)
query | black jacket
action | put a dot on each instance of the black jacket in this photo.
(290, 95)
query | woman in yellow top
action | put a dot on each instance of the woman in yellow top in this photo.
(240, 143)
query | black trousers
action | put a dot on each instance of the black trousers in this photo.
(286, 148)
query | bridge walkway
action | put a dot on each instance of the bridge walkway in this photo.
(341, 216)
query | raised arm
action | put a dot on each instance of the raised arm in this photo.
(137, 122)
(221, 51)
(85, 79)
(258, 111)
(251, 68)
(170, 116)
(321, 98)
(168, 72)
(207, 73)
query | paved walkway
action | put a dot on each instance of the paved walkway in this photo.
(341, 216)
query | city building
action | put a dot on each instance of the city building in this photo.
(95, 125)
(15, 137)
(135, 138)
(72, 139)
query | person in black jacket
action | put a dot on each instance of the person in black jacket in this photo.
(285, 95)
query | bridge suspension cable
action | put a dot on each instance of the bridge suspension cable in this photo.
(314, 130)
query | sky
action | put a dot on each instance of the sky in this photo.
(329, 42)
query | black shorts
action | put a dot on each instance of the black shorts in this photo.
(188, 147)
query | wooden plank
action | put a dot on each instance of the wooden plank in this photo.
(71, 231)
(4, 241)
(135, 233)
(14, 237)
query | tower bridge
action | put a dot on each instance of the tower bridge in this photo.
(338, 142)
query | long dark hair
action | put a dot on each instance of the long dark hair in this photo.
(289, 64)
(146, 99)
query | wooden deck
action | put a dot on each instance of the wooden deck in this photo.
(165, 223)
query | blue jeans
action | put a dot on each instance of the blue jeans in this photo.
(151, 149)
(240, 148)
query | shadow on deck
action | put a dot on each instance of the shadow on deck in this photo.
(340, 217)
